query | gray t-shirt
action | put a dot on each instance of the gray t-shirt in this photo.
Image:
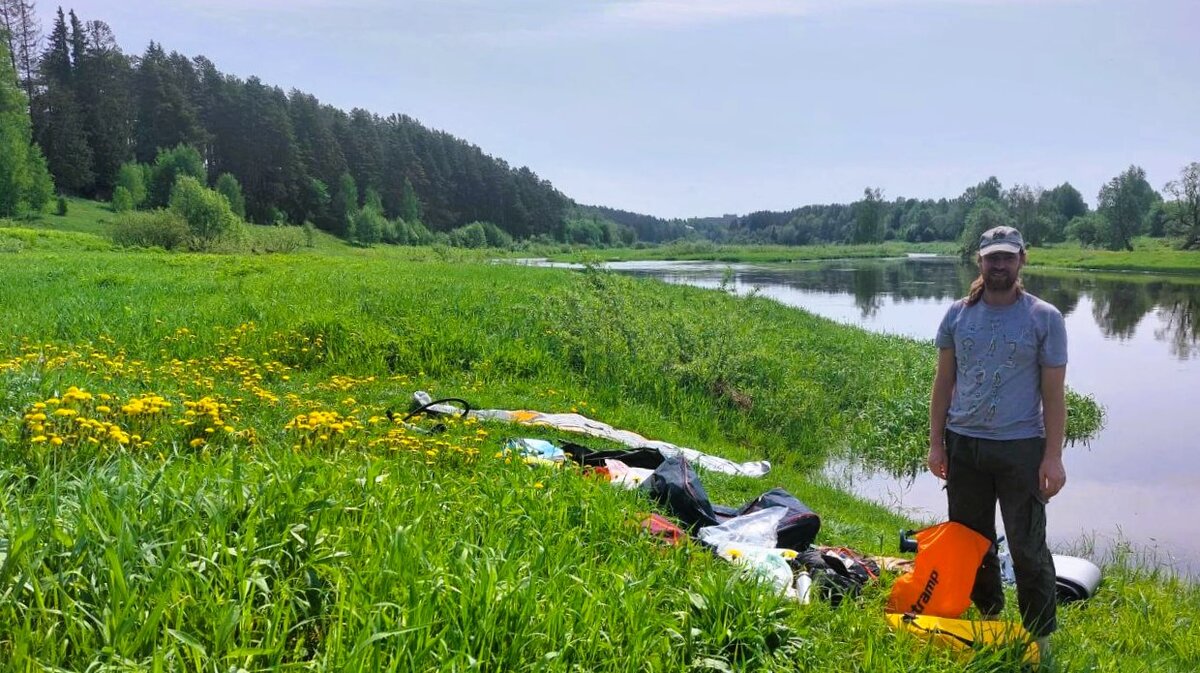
(1000, 351)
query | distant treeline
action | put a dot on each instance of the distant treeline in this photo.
(1127, 206)
(93, 109)
(97, 114)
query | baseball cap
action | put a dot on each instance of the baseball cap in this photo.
(1001, 239)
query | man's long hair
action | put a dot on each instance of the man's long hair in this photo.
(977, 286)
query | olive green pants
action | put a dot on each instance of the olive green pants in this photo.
(980, 473)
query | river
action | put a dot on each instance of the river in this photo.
(1134, 346)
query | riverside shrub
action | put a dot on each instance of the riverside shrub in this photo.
(154, 229)
(122, 201)
(206, 212)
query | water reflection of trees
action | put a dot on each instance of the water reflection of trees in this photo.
(1118, 304)
(1180, 314)
(869, 290)
(870, 282)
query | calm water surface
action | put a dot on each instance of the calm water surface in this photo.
(1133, 345)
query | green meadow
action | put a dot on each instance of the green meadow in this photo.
(201, 469)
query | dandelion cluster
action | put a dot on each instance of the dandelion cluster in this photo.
(297, 349)
(204, 422)
(79, 419)
(322, 430)
(463, 450)
(344, 383)
(195, 414)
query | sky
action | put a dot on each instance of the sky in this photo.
(681, 108)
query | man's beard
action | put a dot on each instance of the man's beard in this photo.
(999, 282)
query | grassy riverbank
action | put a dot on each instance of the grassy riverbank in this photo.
(1150, 254)
(255, 509)
(707, 250)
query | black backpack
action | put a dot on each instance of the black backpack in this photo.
(675, 487)
(798, 528)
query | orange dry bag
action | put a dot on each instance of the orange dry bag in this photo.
(948, 556)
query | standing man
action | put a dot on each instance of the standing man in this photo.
(997, 416)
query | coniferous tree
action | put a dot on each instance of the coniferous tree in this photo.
(103, 77)
(288, 153)
(18, 20)
(263, 153)
(319, 154)
(166, 116)
(58, 121)
(363, 149)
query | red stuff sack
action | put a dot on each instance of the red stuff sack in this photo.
(663, 529)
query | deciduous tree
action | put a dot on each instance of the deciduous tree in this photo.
(1124, 202)
(133, 178)
(228, 186)
(986, 214)
(168, 167)
(207, 213)
(25, 183)
(868, 217)
(1184, 211)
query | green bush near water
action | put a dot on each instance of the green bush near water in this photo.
(257, 555)
(151, 229)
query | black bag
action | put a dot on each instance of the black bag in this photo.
(647, 458)
(676, 488)
(837, 573)
(798, 528)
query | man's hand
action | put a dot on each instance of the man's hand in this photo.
(1052, 476)
(937, 460)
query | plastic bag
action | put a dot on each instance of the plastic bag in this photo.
(763, 563)
(756, 529)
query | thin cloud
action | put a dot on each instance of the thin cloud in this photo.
(703, 11)
(667, 12)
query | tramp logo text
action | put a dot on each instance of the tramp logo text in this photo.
(923, 599)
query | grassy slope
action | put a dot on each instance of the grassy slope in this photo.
(381, 555)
